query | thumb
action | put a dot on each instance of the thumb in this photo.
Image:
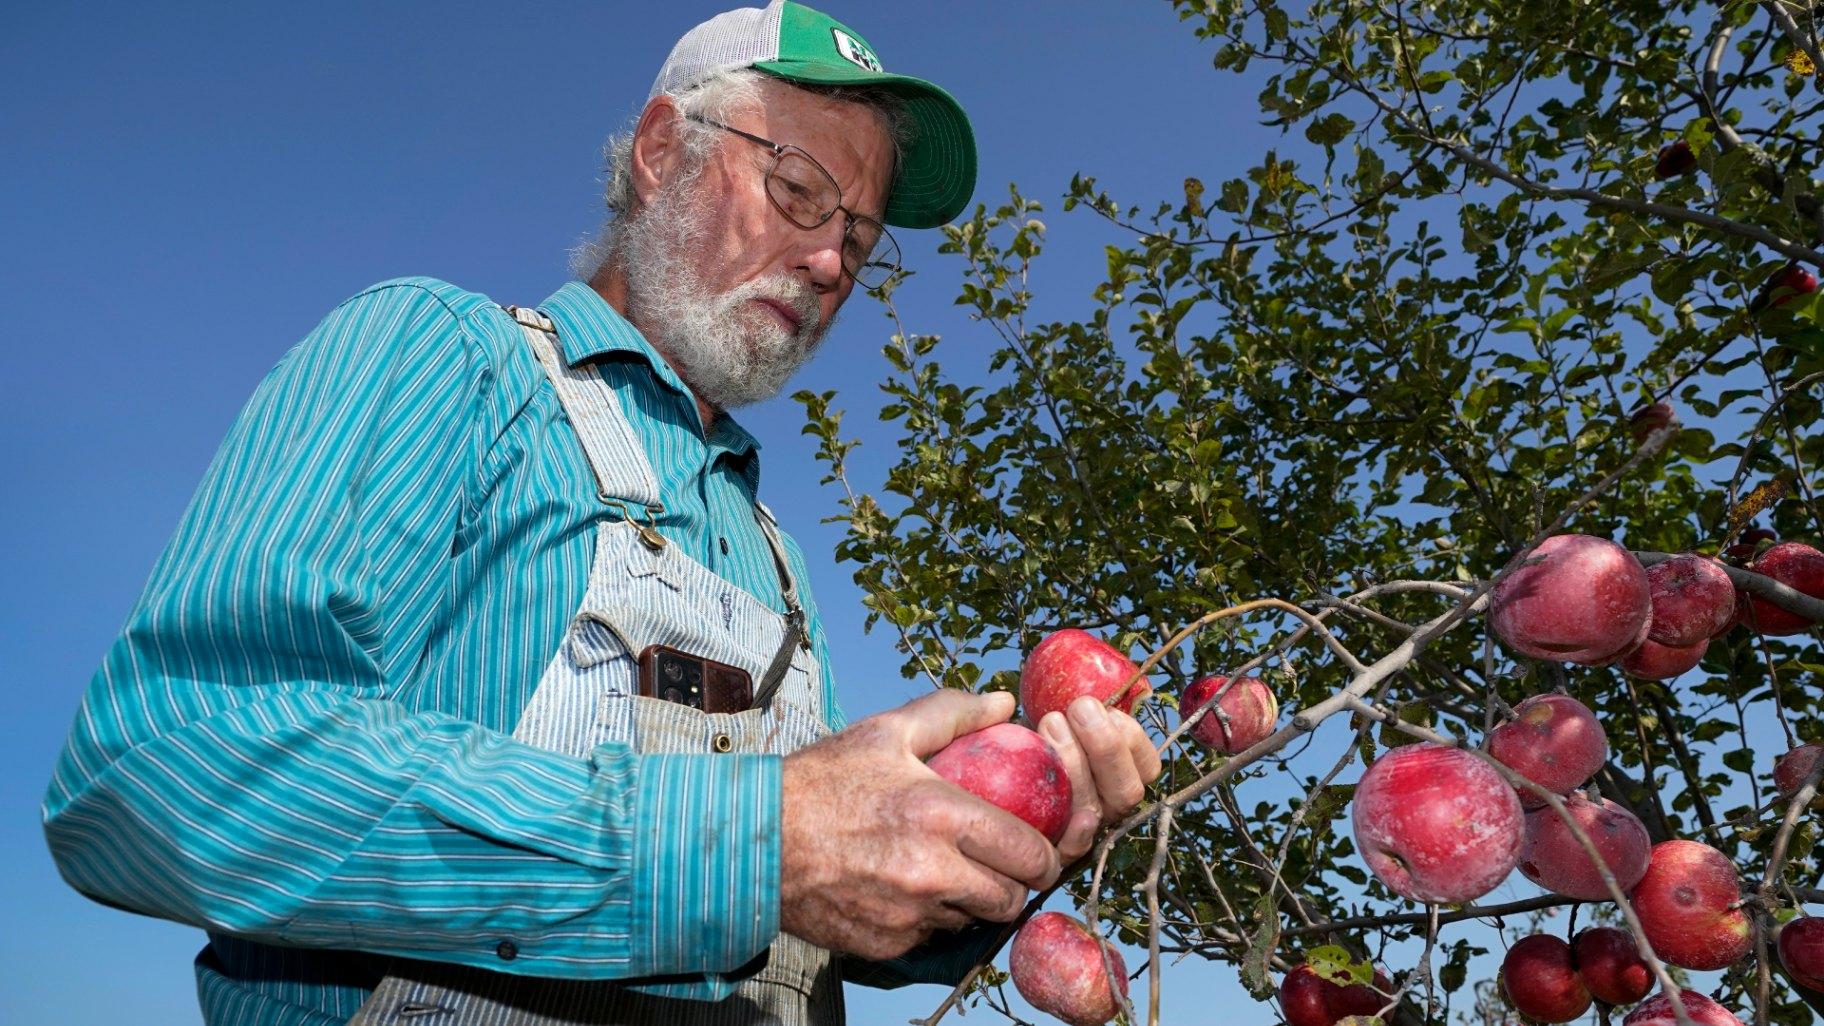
(932, 721)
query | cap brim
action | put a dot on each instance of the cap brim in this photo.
(937, 168)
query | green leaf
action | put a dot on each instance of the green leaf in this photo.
(1261, 946)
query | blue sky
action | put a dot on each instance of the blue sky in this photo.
(186, 190)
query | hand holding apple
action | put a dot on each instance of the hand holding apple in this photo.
(877, 851)
(1109, 760)
(1015, 769)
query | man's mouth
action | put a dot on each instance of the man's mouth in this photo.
(785, 314)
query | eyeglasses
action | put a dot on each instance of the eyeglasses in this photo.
(806, 194)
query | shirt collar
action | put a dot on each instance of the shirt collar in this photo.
(588, 327)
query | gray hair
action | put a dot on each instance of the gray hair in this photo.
(718, 98)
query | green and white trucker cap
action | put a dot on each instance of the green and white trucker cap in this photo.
(937, 169)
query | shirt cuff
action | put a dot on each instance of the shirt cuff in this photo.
(706, 861)
(944, 958)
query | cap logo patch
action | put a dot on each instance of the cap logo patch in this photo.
(856, 52)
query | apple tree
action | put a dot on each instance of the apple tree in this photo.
(1515, 272)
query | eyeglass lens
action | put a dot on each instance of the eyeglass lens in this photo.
(807, 194)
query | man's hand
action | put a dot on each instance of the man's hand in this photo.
(1110, 760)
(878, 851)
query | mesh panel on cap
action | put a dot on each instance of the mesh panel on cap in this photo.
(730, 40)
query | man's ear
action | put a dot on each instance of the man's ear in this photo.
(658, 148)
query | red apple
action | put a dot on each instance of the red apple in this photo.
(1073, 662)
(1014, 768)
(1611, 966)
(1650, 418)
(1791, 769)
(1056, 963)
(1654, 661)
(1657, 1011)
(1308, 999)
(1783, 286)
(1436, 824)
(1244, 715)
(1675, 159)
(1687, 906)
(1539, 981)
(1584, 601)
(1801, 944)
(1551, 857)
(1693, 598)
(1553, 741)
(1797, 566)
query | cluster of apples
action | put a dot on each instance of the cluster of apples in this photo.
(1435, 823)
(1587, 600)
(1058, 964)
(1548, 980)
(1056, 961)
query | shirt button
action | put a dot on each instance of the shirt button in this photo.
(507, 950)
(722, 743)
(724, 542)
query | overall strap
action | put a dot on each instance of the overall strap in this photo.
(623, 474)
(795, 633)
(614, 452)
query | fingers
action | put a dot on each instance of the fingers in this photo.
(1004, 844)
(1086, 802)
(932, 721)
(984, 894)
(1119, 754)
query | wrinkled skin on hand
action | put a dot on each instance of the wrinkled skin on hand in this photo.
(878, 851)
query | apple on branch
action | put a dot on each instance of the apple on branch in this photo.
(1650, 418)
(1436, 824)
(1791, 769)
(1783, 286)
(1797, 566)
(1552, 857)
(1801, 944)
(1073, 662)
(1307, 999)
(1689, 906)
(1245, 713)
(1540, 981)
(1057, 965)
(1579, 599)
(1692, 599)
(1651, 660)
(1611, 966)
(1657, 1011)
(1675, 159)
(1553, 741)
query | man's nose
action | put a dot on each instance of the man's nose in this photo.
(819, 257)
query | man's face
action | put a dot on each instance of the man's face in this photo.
(732, 292)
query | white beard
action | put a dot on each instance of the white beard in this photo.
(729, 349)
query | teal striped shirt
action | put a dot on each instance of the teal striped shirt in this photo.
(301, 740)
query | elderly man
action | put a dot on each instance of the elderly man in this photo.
(476, 686)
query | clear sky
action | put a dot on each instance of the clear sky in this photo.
(186, 189)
